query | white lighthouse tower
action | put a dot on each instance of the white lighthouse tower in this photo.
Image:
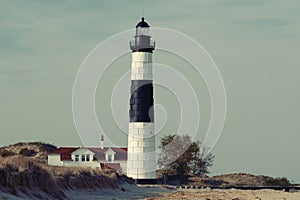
(141, 164)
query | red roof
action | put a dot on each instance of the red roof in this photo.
(65, 153)
(114, 166)
(64, 150)
(121, 153)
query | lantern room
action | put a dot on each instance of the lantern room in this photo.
(142, 41)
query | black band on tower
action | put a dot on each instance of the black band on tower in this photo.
(141, 101)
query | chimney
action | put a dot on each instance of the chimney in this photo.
(102, 142)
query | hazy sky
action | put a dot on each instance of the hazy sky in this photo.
(255, 44)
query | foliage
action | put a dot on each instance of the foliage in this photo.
(45, 147)
(182, 156)
(27, 152)
(277, 182)
(27, 175)
(5, 153)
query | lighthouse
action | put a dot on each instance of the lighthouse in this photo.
(141, 163)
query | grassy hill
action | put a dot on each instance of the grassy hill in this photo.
(226, 180)
(23, 171)
(36, 150)
(239, 179)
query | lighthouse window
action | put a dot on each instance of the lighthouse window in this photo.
(83, 158)
(87, 158)
(76, 158)
(109, 158)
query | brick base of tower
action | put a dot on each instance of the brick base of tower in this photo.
(141, 163)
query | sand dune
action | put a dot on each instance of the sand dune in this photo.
(163, 193)
(230, 194)
(24, 174)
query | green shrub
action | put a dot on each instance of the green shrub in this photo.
(47, 147)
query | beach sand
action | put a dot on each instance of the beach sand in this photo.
(129, 191)
(126, 191)
(168, 193)
(230, 194)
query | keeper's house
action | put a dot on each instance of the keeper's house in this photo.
(97, 158)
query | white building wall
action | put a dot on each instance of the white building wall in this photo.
(92, 164)
(54, 160)
(123, 165)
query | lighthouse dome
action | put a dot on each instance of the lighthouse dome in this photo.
(142, 24)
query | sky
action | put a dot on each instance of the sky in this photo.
(255, 45)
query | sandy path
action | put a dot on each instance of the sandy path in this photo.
(126, 191)
(231, 194)
(161, 192)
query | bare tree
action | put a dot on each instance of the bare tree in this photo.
(182, 156)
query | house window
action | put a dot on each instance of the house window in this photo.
(83, 158)
(76, 158)
(109, 158)
(87, 158)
